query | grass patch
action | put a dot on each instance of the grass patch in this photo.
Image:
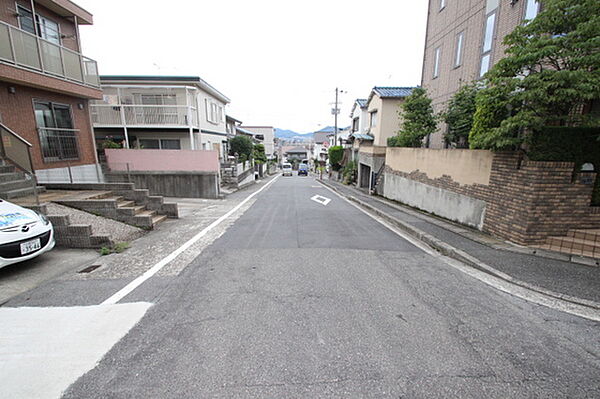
(117, 248)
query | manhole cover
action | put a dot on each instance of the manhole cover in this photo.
(89, 269)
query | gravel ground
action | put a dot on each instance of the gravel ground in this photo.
(118, 231)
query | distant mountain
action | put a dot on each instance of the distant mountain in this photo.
(290, 134)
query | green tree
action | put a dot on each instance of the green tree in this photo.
(459, 116)
(550, 72)
(242, 146)
(336, 153)
(418, 120)
(258, 153)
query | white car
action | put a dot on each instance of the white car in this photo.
(287, 169)
(24, 234)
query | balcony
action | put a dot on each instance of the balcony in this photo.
(135, 115)
(23, 49)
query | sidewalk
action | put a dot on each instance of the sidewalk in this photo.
(555, 277)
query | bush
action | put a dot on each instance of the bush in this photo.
(258, 153)
(111, 144)
(336, 153)
(418, 119)
(242, 146)
(459, 116)
(349, 172)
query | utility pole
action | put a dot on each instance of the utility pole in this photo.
(335, 113)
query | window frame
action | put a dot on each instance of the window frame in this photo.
(437, 55)
(37, 24)
(460, 45)
(373, 116)
(526, 7)
(488, 53)
(52, 105)
(442, 5)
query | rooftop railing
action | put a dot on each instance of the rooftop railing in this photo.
(30, 51)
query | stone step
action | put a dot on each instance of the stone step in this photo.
(8, 177)
(125, 204)
(588, 234)
(157, 219)
(15, 184)
(21, 192)
(7, 169)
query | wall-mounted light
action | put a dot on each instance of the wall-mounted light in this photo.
(12, 89)
(80, 105)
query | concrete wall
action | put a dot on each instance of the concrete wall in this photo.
(441, 202)
(177, 184)
(463, 166)
(162, 160)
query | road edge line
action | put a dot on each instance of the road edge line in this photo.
(123, 292)
(444, 251)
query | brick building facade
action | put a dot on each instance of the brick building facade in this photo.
(46, 84)
(463, 41)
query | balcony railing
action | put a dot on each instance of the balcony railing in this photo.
(105, 115)
(24, 49)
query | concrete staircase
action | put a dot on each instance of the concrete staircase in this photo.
(14, 183)
(122, 202)
(577, 242)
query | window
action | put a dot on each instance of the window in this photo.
(47, 28)
(214, 112)
(460, 38)
(485, 65)
(170, 144)
(26, 20)
(160, 144)
(58, 139)
(354, 125)
(373, 121)
(442, 4)
(436, 62)
(488, 41)
(488, 35)
(531, 9)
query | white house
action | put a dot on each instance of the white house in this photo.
(160, 112)
(266, 136)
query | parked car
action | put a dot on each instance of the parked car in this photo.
(24, 234)
(287, 169)
(303, 169)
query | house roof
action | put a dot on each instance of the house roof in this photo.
(231, 118)
(244, 131)
(154, 79)
(320, 137)
(297, 150)
(393, 92)
(361, 102)
(361, 136)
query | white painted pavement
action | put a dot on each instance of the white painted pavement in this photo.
(321, 200)
(44, 350)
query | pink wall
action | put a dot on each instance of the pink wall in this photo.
(163, 160)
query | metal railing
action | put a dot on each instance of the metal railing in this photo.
(59, 144)
(17, 150)
(143, 115)
(27, 50)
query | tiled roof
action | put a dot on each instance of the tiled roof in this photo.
(393, 92)
(361, 136)
(362, 102)
(297, 150)
(320, 137)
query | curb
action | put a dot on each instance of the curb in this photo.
(460, 255)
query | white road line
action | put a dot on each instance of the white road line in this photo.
(492, 281)
(154, 269)
(321, 200)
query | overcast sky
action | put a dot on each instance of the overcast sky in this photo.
(278, 61)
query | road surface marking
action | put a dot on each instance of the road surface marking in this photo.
(45, 350)
(154, 269)
(492, 281)
(321, 200)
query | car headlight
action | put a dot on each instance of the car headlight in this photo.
(43, 218)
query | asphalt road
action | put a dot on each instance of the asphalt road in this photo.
(299, 299)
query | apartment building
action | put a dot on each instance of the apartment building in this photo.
(161, 112)
(463, 41)
(45, 88)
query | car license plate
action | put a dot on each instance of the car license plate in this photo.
(30, 246)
